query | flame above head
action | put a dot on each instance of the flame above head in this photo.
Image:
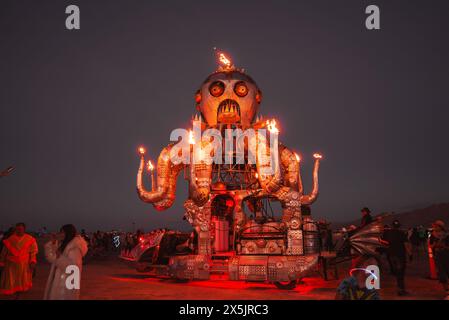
(298, 158)
(318, 156)
(271, 126)
(223, 60)
(150, 166)
(191, 137)
(142, 151)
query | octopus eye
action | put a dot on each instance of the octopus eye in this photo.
(241, 89)
(217, 88)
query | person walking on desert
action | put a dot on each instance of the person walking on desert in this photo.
(64, 254)
(397, 252)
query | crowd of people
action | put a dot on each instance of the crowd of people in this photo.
(19, 249)
(66, 248)
(18, 260)
(400, 247)
(102, 243)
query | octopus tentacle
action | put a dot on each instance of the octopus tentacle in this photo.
(313, 195)
(164, 192)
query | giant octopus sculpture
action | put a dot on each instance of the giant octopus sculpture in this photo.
(256, 247)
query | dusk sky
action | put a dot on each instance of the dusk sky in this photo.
(76, 104)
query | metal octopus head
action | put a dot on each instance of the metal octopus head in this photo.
(228, 96)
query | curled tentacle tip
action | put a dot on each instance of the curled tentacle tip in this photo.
(318, 156)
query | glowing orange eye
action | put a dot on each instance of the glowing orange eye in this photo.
(241, 89)
(217, 88)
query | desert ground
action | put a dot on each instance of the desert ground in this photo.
(109, 278)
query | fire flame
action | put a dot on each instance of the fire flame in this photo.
(142, 151)
(150, 166)
(271, 125)
(318, 156)
(223, 60)
(298, 158)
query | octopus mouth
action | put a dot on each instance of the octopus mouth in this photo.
(228, 111)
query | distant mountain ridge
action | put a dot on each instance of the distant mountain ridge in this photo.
(424, 216)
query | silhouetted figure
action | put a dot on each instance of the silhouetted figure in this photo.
(366, 217)
(439, 242)
(398, 248)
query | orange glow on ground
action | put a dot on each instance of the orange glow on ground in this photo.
(222, 282)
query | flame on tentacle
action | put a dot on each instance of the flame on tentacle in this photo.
(272, 126)
(150, 166)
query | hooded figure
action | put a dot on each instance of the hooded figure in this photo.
(63, 282)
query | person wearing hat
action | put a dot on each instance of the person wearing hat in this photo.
(439, 242)
(397, 251)
(366, 217)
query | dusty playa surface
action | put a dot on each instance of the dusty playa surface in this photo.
(110, 279)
